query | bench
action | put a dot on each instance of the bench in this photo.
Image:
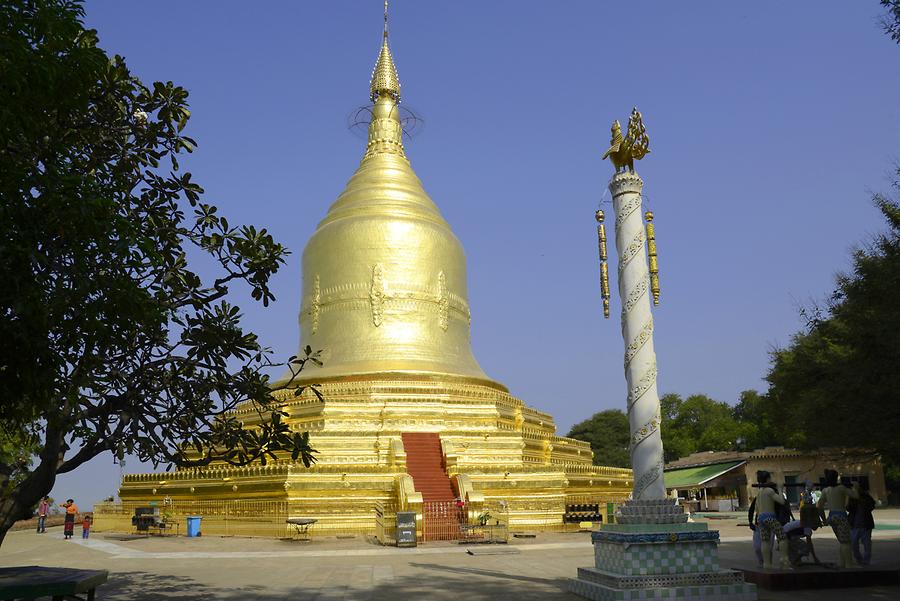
(32, 582)
(147, 520)
(167, 528)
(301, 525)
(158, 528)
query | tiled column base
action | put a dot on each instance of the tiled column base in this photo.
(710, 592)
(658, 557)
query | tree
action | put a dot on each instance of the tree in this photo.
(759, 418)
(608, 434)
(837, 383)
(699, 423)
(112, 342)
(890, 21)
(676, 441)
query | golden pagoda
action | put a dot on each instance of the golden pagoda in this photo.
(407, 419)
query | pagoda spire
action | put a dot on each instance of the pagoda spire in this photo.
(385, 129)
(385, 81)
(384, 277)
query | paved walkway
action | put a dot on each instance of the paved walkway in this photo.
(330, 569)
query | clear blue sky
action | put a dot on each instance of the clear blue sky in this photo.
(769, 124)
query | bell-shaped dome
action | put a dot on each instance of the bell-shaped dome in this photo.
(384, 277)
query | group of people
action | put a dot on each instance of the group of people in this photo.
(71, 515)
(849, 515)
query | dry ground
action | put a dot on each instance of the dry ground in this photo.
(329, 569)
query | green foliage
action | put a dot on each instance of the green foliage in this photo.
(111, 340)
(758, 416)
(892, 476)
(837, 383)
(607, 432)
(17, 450)
(699, 423)
(890, 21)
(676, 442)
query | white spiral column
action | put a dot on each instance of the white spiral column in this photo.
(637, 331)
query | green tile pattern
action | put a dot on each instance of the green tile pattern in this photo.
(632, 564)
(643, 528)
(724, 592)
(645, 559)
(619, 581)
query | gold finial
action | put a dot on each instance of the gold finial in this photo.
(634, 146)
(651, 255)
(385, 81)
(385, 128)
(604, 270)
(601, 233)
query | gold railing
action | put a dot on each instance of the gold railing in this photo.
(219, 518)
(377, 518)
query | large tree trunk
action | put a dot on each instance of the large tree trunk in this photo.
(11, 511)
(17, 503)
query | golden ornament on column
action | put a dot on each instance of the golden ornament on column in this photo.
(651, 255)
(604, 270)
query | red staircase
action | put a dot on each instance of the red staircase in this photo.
(424, 462)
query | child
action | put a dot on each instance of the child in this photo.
(43, 512)
(86, 525)
(809, 519)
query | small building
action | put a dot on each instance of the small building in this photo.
(723, 480)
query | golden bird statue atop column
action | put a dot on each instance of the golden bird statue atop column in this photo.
(635, 145)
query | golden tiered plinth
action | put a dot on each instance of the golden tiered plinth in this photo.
(385, 299)
(495, 448)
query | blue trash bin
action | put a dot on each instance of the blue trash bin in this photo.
(193, 525)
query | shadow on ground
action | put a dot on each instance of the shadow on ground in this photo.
(440, 582)
(123, 537)
(559, 583)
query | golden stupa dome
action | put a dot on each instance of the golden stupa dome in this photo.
(384, 277)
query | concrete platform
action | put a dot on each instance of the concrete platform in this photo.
(816, 577)
(212, 568)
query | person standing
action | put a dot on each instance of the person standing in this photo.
(43, 511)
(816, 494)
(809, 519)
(757, 538)
(834, 498)
(861, 523)
(86, 525)
(71, 511)
(767, 519)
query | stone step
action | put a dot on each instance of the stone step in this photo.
(425, 463)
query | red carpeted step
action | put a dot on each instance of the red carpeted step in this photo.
(424, 462)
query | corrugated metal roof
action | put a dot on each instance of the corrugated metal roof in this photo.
(695, 476)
